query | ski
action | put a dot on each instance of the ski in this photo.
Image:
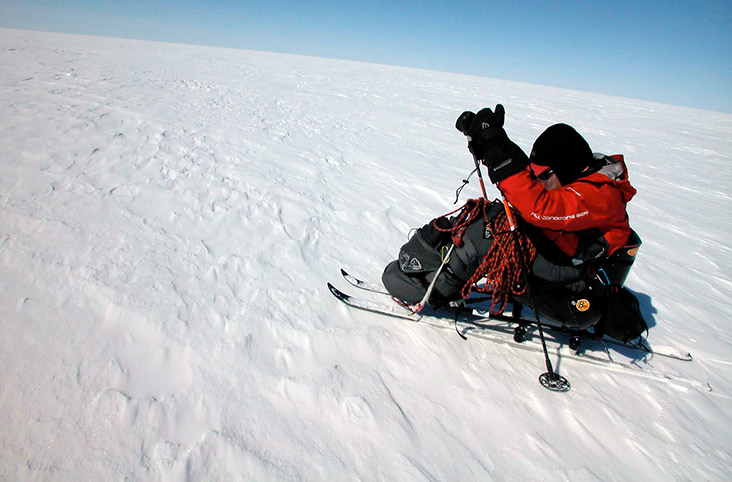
(663, 351)
(478, 326)
(658, 350)
(364, 285)
(395, 311)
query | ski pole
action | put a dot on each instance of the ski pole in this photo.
(418, 307)
(477, 167)
(509, 214)
(550, 380)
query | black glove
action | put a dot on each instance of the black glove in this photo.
(463, 122)
(490, 144)
(486, 126)
(504, 160)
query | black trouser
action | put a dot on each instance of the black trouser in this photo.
(411, 288)
(573, 304)
(563, 294)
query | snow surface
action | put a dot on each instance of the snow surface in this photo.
(170, 216)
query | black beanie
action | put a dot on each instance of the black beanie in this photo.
(564, 150)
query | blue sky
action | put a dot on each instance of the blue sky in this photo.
(672, 52)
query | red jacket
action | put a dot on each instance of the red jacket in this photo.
(593, 202)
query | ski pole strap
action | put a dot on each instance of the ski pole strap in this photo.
(466, 181)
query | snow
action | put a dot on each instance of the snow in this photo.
(169, 218)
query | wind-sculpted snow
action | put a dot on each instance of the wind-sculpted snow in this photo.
(169, 218)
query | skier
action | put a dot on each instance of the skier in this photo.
(571, 205)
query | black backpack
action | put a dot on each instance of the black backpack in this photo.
(622, 318)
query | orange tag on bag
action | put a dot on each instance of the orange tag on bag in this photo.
(582, 305)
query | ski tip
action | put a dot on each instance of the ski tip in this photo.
(337, 293)
(676, 355)
(347, 276)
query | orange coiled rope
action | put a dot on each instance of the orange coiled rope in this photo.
(506, 264)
